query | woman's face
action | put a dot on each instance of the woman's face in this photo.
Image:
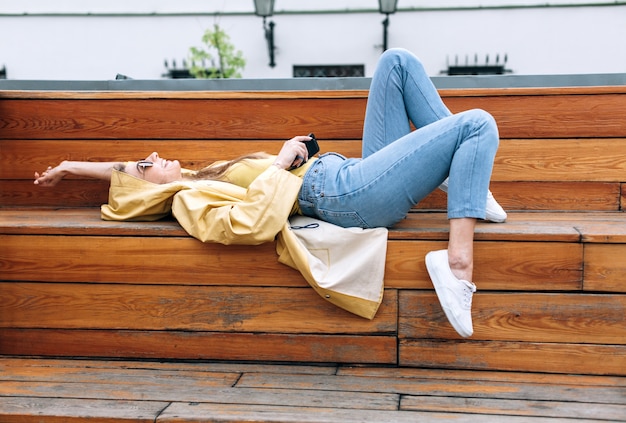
(155, 169)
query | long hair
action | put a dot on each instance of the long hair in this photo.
(216, 171)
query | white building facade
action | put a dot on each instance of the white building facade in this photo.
(96, 40)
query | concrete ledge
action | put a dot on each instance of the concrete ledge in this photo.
(300, 84)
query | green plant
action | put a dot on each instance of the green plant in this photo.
(227, 63)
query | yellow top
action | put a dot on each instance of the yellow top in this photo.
(244, 172)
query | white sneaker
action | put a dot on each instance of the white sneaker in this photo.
(493, 211)
(455, 295)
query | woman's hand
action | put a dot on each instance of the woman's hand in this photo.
(50, 176)
(293, 153)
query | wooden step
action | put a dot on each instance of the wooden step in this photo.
(551, 298)
(520, 113)
(528, 174)
(53, 390)
(551, 290)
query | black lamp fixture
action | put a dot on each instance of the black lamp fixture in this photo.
(265, 8)
(387, 7)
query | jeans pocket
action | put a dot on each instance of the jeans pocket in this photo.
(345, 219)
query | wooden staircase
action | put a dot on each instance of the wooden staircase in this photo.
(551, 294)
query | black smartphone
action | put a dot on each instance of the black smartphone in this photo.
(312, 146)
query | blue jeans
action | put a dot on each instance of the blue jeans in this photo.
(401, 167)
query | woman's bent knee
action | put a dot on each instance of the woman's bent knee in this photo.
(483, 122)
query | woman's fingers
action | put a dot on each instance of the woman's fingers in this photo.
(47, 177)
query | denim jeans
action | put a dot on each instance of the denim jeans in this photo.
(400, 167)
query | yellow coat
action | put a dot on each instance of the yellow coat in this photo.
(344, 265)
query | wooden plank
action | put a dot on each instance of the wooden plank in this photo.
(71, 193)
(155, 367)
(551, 116)
(124, 259)
(193, 308)
(508, 266)
(37, 388)
(529, 317)
(557, 196)
(530, 91)
(520, 226)
(468, 376)
(513, 407)
(513, 196)
(605, 269)
(81, 221)
(186, 413)
(595, 159)
(173, 119)
(196, 345)
(55, 410)
(518, 116)
(598, 159)
(423, 225)
(120, 376)
(448, 388)
(609, 230)
(186, 261)
(226, 94)
(514, 356)
(21, 158)
(197, 391)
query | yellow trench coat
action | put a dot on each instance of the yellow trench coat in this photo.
(344, 265)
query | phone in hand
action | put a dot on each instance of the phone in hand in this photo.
(312, 148)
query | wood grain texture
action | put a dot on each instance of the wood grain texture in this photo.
(198, 345)
(580, 159)
(175, 119)
(551, 116)
(528, 317)
(109, 259)
(185, 261)
(193, 308)
(605, 268)
(507, 266)
(530, 113)
(112, 391)
(551, 294)
(522, 407)
(514, 196)
(546, 357)
(21, 158)
(528, 174)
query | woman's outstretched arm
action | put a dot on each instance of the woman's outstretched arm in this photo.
(96, 170)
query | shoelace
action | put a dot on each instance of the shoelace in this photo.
(467, 296)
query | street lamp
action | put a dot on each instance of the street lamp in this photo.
(387, 7)
(265, 8)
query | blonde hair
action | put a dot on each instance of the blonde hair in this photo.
(216, 171)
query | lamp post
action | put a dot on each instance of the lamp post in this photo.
(387, 7)
(265, 8)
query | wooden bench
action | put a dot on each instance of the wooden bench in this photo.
(551, 299)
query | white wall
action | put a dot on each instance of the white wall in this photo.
(95, 40)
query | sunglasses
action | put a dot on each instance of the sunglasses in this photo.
(142, 165)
